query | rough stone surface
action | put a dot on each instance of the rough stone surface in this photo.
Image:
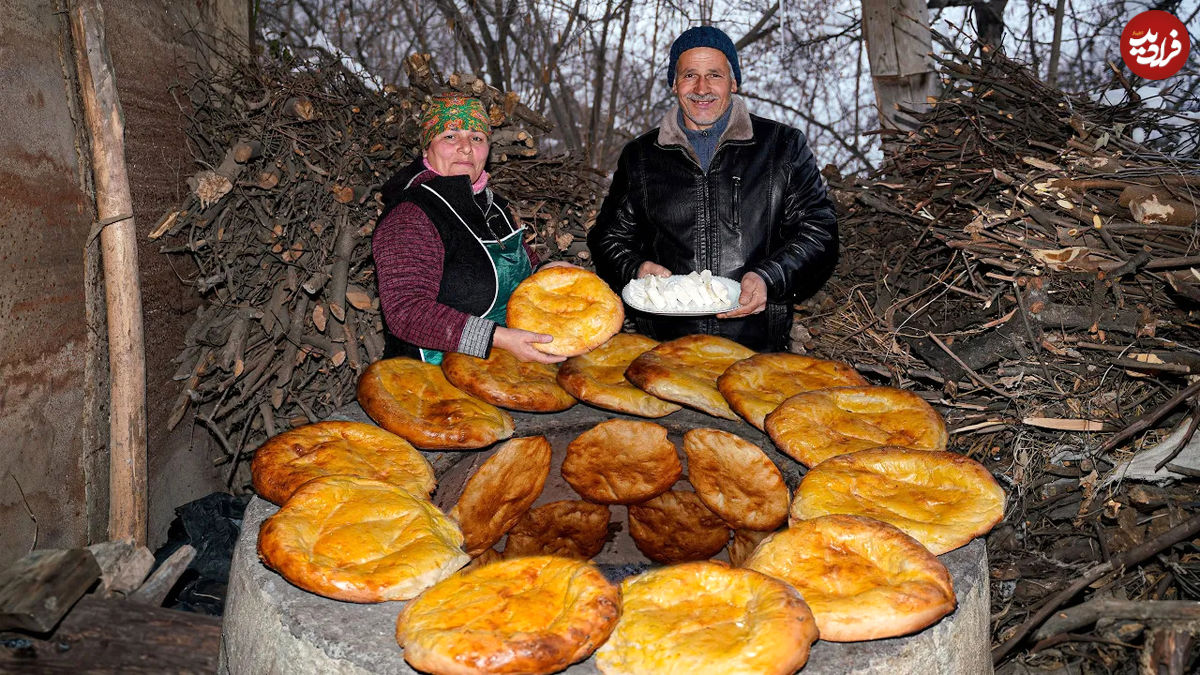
(273, 627)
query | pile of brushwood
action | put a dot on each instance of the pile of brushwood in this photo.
(1036, 273)
(1020, 261)
(278, 227)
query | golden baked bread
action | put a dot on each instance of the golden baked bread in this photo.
(621, 462)
(501, 491)
(704, 618)
(735, 479)
(534, 614)
(743, 544)
(818, 424)
(360, 540)
(941, 499)
(506, 381)
(685, 370)
(290, 459)
(571, 304)
(755, 386)
(569, 528)
(414, 400)
(676, 526)
(862, 578)
(598, 377)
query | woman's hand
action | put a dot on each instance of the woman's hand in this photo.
(520, 344)
(647, 268)
(752, 300)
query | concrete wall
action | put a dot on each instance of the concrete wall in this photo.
(53, 462)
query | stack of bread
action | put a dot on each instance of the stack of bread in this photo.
(355, 521)
(856, 558)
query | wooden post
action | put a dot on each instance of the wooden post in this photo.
(118, 244)
(898, 48)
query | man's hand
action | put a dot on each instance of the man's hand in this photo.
(652, 268)
(753, 298)
(520, 343)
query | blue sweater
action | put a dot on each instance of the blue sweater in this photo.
(704, 142)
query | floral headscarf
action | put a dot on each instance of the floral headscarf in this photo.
(452, 111)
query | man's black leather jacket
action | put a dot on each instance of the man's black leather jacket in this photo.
(761, 207)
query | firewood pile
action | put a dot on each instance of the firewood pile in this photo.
(1036, 273)
(278, 227)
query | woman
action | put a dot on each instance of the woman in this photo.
(447, 252)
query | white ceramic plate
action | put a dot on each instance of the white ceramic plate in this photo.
(734, 288)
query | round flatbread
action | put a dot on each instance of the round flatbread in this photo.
(685, 370)
(360, 540)
(704, 618)
(290, 459)
(535, 614)
(569, 528)
(501, 491)
(941, 499)
(414, 400)
(571, 304)
(736, 479)
(743, 544)
(755, 386)
(598, 377)
(621, 462)
(863, 579)
(815, 425)
(676, 526)
(506, 381)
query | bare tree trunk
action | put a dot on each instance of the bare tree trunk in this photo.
(989, 22)
(1031, 12)
(601, 51)
(562, 103)
(491, 47)
(989, 18)
(504, 36)
(462, 34)
(1056, 45)
(606, 140)
(418, 30)
(858, 91)
(760, 29)
(898, 48)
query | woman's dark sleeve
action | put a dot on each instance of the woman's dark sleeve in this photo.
(408, 266)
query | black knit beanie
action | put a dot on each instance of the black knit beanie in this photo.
(704, 36)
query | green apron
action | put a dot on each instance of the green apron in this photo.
(512, 267)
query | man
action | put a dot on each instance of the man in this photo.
(714, 187)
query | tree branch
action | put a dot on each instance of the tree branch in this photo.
(837, 135)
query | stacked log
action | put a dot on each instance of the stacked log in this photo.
(278, 226)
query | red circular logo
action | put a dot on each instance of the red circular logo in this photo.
(1155, 45)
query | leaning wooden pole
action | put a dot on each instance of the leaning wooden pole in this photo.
(118, 246)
